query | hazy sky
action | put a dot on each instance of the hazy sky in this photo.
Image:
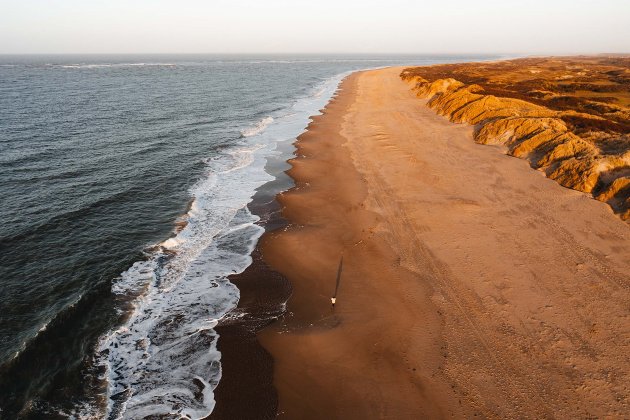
(367, 26)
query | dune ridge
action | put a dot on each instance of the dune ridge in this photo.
(585, 146)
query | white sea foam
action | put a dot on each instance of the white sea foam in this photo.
(106, 65)
(164, 361)
(257, 128)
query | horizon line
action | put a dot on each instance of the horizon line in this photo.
(520, 54)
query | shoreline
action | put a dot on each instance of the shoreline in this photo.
(309, 306)
(245, 390)
(462, 293)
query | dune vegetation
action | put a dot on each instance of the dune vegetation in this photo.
(569, 116)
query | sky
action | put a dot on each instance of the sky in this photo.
(322, 26)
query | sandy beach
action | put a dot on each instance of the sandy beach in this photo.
(472, 285)
(337, 210)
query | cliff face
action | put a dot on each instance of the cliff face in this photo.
(585, 147)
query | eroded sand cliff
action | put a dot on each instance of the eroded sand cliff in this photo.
(569, 117)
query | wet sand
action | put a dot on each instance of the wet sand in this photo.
(246, 389)
(472, 284)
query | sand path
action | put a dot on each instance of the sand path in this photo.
(472, 284)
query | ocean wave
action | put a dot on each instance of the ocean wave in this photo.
(106, 65)
(71, 213)
(257, 128)
(40, 330)
(163, 360)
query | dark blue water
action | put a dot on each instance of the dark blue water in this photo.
(102, 160)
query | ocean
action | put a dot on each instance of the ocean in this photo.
(125, 183)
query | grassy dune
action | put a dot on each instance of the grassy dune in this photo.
(570, 117)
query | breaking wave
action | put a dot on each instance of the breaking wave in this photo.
(107, 65)
(257, 128)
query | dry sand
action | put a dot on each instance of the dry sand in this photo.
(472, 284)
